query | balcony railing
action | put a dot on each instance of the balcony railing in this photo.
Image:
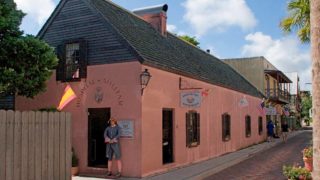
(278, 94)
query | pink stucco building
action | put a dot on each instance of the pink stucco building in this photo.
(195, 107)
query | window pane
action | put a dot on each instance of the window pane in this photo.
(248, 126)
(226, 127)
(193, 128)
(72, 60)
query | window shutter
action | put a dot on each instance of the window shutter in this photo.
(229, 126)
(223, 127)
(198, 128)
(187, 130)
(60, 68)
(83, 59)
(248, 126)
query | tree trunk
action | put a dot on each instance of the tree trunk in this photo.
(315, 50)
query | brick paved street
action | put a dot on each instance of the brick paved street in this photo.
(268, 164)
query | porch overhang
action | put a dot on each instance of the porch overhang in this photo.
(279, 75)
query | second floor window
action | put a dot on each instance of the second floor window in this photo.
(248, 126)
(226, 127)
(192, 129)
(72, 61)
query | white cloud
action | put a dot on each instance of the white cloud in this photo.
(285, 54)
(39, 10)
(171, 28)
(217, 15)
(174, 29)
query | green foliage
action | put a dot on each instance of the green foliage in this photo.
(306, 106)
(75, 160)
(298, 19)
(189, 39)
(26, 62)
(295, 172)
(308, 152)
(10, 20)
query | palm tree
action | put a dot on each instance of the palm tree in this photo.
(298, 19)
(315, 44)
(305, 19)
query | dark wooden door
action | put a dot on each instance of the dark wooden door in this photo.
(97, 123)
(167, 136)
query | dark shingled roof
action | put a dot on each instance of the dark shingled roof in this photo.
(170, 53)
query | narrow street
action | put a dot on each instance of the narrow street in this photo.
(268, 164)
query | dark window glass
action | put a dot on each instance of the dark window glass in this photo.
(248, 126)
(72, 66)
(226, 127)
(260, 125)
(192, 129)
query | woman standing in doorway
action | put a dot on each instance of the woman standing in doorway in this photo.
(111, 136)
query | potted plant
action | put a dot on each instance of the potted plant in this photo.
(296, 173)
(75, 163)
(307, 157)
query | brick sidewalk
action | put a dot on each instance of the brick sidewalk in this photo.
(268, 164)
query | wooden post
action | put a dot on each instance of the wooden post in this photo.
(38, 146)
(68, 146)
(24, 145)
(31, 146)
(62, 147)
(44, 143)
(17, 146)
(56, 156)
(9, 144)
(3, 122)
(50, 146)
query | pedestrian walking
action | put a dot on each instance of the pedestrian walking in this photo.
(285, 130)
(111, 136)
(270, 129)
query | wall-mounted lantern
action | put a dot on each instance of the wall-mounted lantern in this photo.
(144, 79)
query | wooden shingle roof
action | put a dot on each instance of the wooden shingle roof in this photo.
(171, 53)
(168, 53)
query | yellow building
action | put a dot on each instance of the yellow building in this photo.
(273, 83)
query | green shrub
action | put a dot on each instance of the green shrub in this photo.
(308, 152)
(295, 172)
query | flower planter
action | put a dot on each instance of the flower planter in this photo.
(308, 163)
(74, 171)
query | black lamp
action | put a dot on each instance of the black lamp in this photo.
(144, 79)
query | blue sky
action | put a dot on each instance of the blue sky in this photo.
(229, 28)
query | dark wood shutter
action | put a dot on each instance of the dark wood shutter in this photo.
(60, 51)
(198, 128)
(229, 126)
(188, 128)
(83, 58)
(260, 125)
(223, 127)
(248, 126)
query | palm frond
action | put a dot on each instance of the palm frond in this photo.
(298, 19)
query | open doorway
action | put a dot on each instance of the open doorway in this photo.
(97, 123)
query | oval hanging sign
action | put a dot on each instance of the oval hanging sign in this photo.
(190, 99)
